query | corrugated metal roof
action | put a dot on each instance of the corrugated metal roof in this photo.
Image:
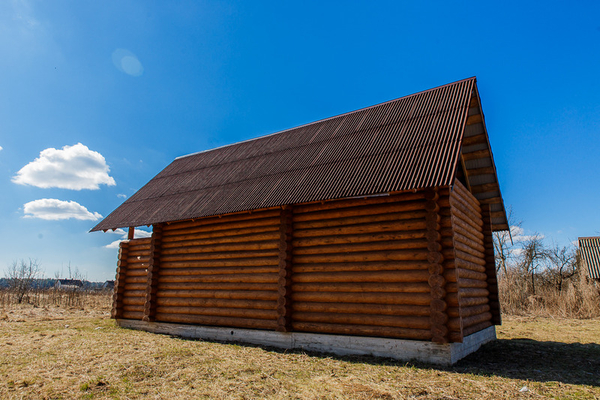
(409, 143)
(589, 250)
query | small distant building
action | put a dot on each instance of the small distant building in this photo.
(68, 284)
(108, 285)
(589, 249)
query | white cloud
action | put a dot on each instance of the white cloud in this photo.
(138, 233)
(74, 167)
(1, 148)
(53, 209)
(518, 234)
(122, 196)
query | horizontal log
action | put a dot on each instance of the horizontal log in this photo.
(469, 274)
(357, 202)
(359, 219)
(475, 225)
(139, 253)
(361, 238)
(472, 301)
(221, 235)
(134, 293)
(453, 312)
(476, 319)
(173, 242)
(466, 203)
(229, 278)
(417, 299)
(397, 255)
(467, 257)
(472, 283)
(362, 330)
(450, 275)
(464, 264)
(179, 295)
(242, 262)
(455, 337)
(195, 284)
(138, 315)
(367, 276)
(136, 279)
(141, 242)
(216, 303)
(135, 272)
(360, 308)
(404, 207)
(192, 255)
(217, 321)
(412, 322)
(169, 271)
(451, 287)
(474, 310)
(220, 312)
(362, 287)
(135, 287)
(224, 226)
(360, 266)
(476, 328)
(224, 219)
(469, 235)
(393, 226)
(359, 247)
(220, 248)
(468, 250)
(467, 227)
(134, 301)
(473, 292)
(132, 308)
(470, 242)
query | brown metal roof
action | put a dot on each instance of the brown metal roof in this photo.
(589, 250)
(409, 143)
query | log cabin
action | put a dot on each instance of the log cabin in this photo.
(366, 233)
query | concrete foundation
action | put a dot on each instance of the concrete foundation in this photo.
(400, 349)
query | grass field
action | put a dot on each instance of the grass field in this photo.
(58, 353)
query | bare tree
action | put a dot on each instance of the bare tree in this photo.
(21, 275)
(503, 244)
(533, 253)
(562, 262)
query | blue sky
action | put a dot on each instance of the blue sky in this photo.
(97, 97)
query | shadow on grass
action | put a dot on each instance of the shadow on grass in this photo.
(527, 359)
(524, 359)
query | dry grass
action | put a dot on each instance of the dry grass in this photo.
(79, 353)
(579, 297)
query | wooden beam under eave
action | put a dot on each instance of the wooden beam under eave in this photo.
(486, 187)
(465, 171)
(131, 233)
(482, 171)
(477, 154)
(471, 140)
(474, 119)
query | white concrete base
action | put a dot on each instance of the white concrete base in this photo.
(400, 349)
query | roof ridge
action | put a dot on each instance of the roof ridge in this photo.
(328, 118)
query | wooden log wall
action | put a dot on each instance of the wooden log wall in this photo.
(220, 271)
(360, 267)
(410, 265)
(469, 246)
(450, 272)
(135, 261)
